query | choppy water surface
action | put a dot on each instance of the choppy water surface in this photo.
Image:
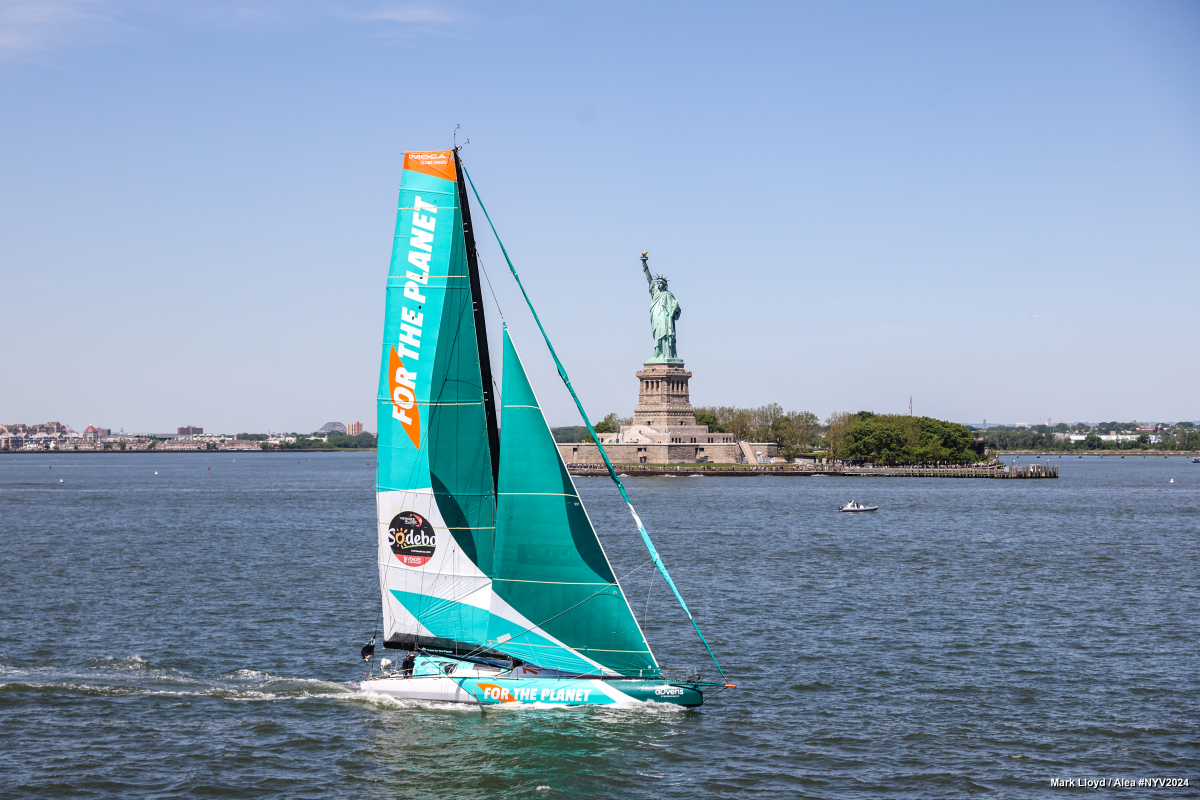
(194, 634)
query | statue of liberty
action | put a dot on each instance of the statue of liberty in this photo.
(664, 310)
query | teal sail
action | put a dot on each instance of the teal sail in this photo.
(434, 486)
(548, 563)
(453, 577)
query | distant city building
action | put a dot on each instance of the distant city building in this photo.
(189, 430)
(330, 427)
(353, 428)
(94, 434)
(50, 436)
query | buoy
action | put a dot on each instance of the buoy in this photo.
(210, 467)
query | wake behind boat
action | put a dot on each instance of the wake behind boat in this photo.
(854, 505)
(493, 580)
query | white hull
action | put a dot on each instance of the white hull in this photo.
(461, 690)
(484, 685)
(446, 690)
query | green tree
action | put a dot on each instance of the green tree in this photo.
(708, 416)
(807, 426)
(610, 424)
(762, 421)
(794, 432)
(901, 439)
(569, 433)
(740, 423)
(835, 429)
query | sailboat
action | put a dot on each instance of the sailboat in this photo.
(494, 584)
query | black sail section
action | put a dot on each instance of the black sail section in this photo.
(485, 358)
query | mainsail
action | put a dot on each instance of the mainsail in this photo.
(529, 579)
(435, 494)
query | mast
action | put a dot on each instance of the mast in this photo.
(485, 356)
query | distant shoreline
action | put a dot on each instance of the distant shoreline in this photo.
(996, 453)
(1098, 453)
(182, 452)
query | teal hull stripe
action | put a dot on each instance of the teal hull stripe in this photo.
(562, 373)
(577, 692)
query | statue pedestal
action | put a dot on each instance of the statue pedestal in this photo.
(663, 400)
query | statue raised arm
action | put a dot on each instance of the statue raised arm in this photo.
(664, 310)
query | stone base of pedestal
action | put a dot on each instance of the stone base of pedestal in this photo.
(725, 453)
(663, 396)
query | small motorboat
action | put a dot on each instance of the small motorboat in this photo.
(1196, 460)
(854, 505)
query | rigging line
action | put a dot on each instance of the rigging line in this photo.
(612, 473)
(646, 610)
(495, 300)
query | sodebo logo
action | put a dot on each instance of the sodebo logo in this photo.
(411, 538)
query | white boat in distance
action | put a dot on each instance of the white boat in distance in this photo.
(854, 505)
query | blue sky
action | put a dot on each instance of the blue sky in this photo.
(994, 208)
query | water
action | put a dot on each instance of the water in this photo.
(195, 633)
